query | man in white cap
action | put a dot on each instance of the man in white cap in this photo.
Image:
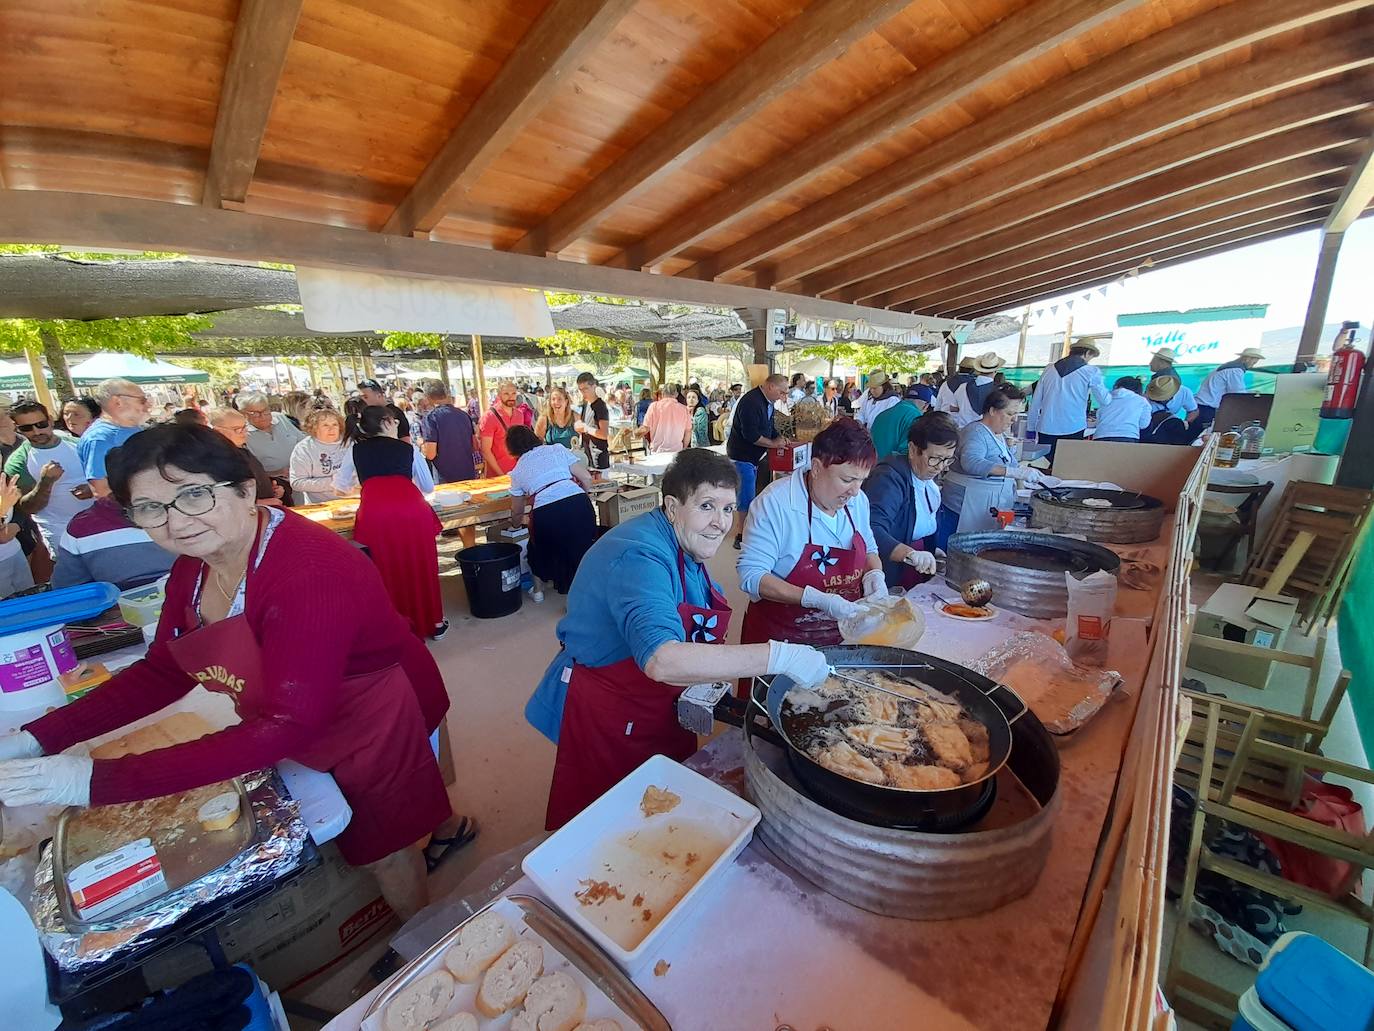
(969, 397)
(877, 399)
(1059, 406)
(1224, 379)
(1180, 401)
(944, 399)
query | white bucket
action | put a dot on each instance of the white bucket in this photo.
(30, 664)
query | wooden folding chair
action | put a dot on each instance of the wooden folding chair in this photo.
(1235, 784)
(1247, 516)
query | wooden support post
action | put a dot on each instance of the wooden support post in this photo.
(686, 366)
(1021, 343)
(368, 367)
(276, 374)
(337, 372)
(442, 349)
(462, 379)
(548, 376)
(290, 376)
(314, 372)
(40, 381)
(1320, 297)
(951, 355)
(357, 376)
(479, 373)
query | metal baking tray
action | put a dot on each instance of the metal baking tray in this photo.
(563, 938)
(186, 853)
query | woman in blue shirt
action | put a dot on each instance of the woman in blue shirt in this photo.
(644, 621)
(984, 476)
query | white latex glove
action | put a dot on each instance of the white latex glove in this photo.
(921, 561)
(802, 663)
(831, 604)
(939, 554)
(875, 585)
(50, 780)
(1024, 475)
(19, 745)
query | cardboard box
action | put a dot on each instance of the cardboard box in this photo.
(790, 457)
(330, 912)
(613, 507)
(1242, 614)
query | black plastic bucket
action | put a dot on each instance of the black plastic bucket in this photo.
(491, 573)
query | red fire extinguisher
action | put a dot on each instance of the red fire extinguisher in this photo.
(1343, 379)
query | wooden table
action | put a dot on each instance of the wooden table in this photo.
(481, 510)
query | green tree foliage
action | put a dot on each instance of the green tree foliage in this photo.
(146, 336)
(866, 357)
(224, 372)
(411, 341)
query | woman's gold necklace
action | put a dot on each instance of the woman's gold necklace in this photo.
(220, 587)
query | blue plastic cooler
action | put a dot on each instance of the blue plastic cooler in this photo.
(1307, 985)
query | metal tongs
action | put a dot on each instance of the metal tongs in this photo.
(873, 687)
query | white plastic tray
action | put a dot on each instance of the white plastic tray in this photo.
(579, 851)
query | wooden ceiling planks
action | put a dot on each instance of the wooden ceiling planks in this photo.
(930, 154)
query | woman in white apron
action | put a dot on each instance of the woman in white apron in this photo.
(985, 475)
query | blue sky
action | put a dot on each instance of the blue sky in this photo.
(1278, 273)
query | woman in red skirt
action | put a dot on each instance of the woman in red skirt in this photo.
(395, 523)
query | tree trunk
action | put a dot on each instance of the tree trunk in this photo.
(442, 348)
(57, 365)
(462, 380)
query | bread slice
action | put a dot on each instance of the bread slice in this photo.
(604, 1024)
(417, 1004)
(508, 979)
(481, 940)
(220, 813)
(555, 1003)
(457, 1022)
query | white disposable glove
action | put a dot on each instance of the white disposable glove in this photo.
(50, 780)
(800, 662)
(831, 604)
(19, 745)
(1024, 474)
(921, 561)
(875, 585)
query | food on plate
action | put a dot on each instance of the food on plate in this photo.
(879, 736)
(555, 1002)
(420, 1002)
(967, 611)
(506, 981)
(842, 758)
(658, 800)
(479, 943)
(605, 1023)
(949, 744)
(921, 777)
(914, 738)
(219, 813)
(457, 1022)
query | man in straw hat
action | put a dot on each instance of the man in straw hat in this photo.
(969, 398)
(1224, 379)
(1168, 422)
(1181, 401)
(944, 398)
(1059, 407)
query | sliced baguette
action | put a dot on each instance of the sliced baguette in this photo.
(458, 1022)
(554, 1003)
(508, 979)
(479, 943)
(417, 1004)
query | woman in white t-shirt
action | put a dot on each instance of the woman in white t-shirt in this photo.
(553, 482)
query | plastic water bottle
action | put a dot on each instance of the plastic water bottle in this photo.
(1252, 440)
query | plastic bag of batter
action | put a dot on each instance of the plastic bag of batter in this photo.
(893, 621)
(1091, 602)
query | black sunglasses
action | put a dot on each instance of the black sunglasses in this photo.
(27, 427)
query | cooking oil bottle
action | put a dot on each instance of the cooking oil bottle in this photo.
(1228, 451)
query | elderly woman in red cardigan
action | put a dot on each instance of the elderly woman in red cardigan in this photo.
(290, 621)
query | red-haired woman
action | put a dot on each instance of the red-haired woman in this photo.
(809, 553)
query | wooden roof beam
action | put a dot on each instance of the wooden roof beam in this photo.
(1356, 196)
(1128, 169)
(1149, 60)
(1235, 145)
(1302, 199)
(1020, 37)
(813, 38)
(1189, 250)
(257, 56)
(1047, 236)
(97, 221)
(553, 46)
(876, 246)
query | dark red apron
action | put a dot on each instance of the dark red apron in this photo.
(615, 717)
(376, 745)
(832, 570)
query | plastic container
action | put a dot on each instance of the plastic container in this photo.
(600, 842)
(491, 574)
(1252, 440)
(141, 606)
(1309, 985)
(34, 650)
(1252, 1016)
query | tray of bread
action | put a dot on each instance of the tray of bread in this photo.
(110, 861)
(514, 966)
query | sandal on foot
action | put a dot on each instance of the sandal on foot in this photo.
(466, 834)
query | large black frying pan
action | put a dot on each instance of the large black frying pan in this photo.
(986, 701)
